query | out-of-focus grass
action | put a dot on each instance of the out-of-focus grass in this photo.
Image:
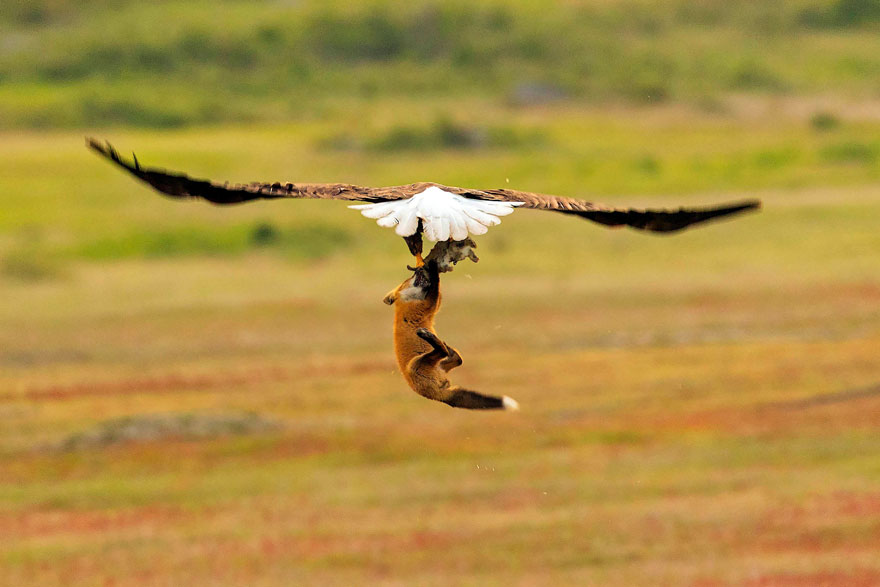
(697, 409)
(65, 64)
(302, 241)
(56, 209)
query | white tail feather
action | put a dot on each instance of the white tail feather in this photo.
(443, 214)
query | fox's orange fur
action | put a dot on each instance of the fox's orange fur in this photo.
(423, 358)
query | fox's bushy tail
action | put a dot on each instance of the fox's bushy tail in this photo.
(472, 400)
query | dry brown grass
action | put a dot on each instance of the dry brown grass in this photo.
(688, 412)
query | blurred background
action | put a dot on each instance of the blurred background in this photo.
(208, 395)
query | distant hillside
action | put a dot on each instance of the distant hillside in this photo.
(173, 63)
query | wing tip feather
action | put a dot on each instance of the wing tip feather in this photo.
(109, 152)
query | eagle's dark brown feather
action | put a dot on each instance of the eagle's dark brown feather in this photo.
(179, 185)
(653, 220)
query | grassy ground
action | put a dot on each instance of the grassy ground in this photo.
(699, 409)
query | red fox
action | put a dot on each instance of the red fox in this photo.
(423, 358)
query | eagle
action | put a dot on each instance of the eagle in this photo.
(435, 211)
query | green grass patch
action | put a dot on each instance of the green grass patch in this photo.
(443, 133)
(30, 265)
(857, 152)
(94, 60)
(824, 121)
(296, 242)
(61, 203)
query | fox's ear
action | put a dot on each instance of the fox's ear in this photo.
(390, 298)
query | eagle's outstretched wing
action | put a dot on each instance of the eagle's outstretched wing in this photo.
(179, 185)
(651, 219)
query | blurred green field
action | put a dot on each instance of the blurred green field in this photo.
(171, 64)
(697, 409)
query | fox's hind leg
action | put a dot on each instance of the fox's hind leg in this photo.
(425, 378)
(439, 351)
(432, 339)
(455, 396)
(435, 342)
(452, 361)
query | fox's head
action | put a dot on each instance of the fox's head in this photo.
(423, 286)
